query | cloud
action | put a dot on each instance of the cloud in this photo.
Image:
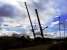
(18, 17)
(54, 23)
(7, 10)
(46, 9)
(10, 8)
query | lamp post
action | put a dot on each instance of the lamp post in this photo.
(41, 31)
(30, 20)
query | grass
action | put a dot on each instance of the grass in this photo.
(39, 47)
(28, 44)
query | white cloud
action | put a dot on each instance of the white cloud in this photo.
(54, 23)
(14, 22)
(47, 9)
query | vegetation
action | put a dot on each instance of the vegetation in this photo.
(22, 42)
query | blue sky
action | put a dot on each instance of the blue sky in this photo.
(13, 15)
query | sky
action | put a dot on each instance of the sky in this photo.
(14, 17)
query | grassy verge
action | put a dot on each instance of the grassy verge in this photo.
(39, 47)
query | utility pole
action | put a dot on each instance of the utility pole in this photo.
(30, 20)
(39, 23)
(64, 27)
(59, 27)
